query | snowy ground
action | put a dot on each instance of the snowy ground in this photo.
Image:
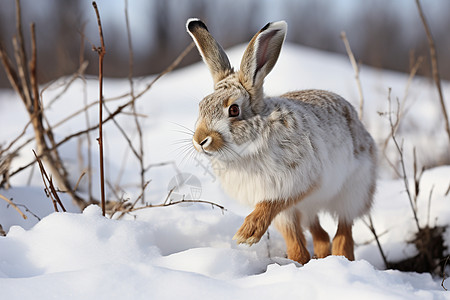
(186, 251)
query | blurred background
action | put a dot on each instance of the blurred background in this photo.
(382, 33)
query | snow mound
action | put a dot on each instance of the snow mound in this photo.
(86, 256)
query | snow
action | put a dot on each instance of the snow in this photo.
(186, 251)
(86, 256)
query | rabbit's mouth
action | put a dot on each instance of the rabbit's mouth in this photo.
(202, 147)
(207, 153)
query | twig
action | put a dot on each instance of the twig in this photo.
(372, 229)
(402, 163)
(79, 73)
(88, 138)
(140, 157)
(130, 50)
(178, 202)
(137, 200)
(33, 71)
(125, 136)
(21, 57)
(50, 189)
(356, 69)
(79, 180)
(24, 81)
(29, 211)
(115, 190)
(434, 66)
(169, 69)
(86, 107)
(118, 110)
(24, 130)
(162, 164)
(168, 195)
(400, 113)
(101, 54)
(14, 205)
(11, 73)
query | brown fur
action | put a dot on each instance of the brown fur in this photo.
(257, 223)
(295, 241)
(202, 132)
(228, 102)
(343, 241)
(321, 240)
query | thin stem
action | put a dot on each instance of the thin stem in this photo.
(434, 66)
(402, 163)
(13, 205)
(101, 53)
(356, 69)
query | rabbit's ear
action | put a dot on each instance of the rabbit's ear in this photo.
(262, 54)
(211, 52)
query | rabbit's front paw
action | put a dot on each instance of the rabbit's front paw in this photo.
(252, 230)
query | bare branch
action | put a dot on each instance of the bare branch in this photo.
(434, 66)
(167, 202)
(356, 69)
(136, 201)
(79, 180)
(50, 189)
(374, 232)
(400, 113)
(140, 155)
(79, 73)
(33, 72)
(21, 56)
(402, 164)
(11, 73)
(101, 54)
(13, 205)
(118, 110)
(178, 202)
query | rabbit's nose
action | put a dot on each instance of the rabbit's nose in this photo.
(206, 142)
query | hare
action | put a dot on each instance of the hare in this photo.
(290, 157)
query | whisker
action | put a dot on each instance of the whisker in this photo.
(182, 149)
(182, 141)
(183, 132)
(184, 127)
(188, 155)
(231, 152)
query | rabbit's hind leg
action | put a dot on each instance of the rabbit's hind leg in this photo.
(321, 239)
(288, 223)
(343, 241)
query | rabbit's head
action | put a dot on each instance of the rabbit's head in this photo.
(229, 121)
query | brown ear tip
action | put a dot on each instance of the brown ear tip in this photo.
(193, 23)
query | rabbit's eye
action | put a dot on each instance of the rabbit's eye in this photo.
(233, 110)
